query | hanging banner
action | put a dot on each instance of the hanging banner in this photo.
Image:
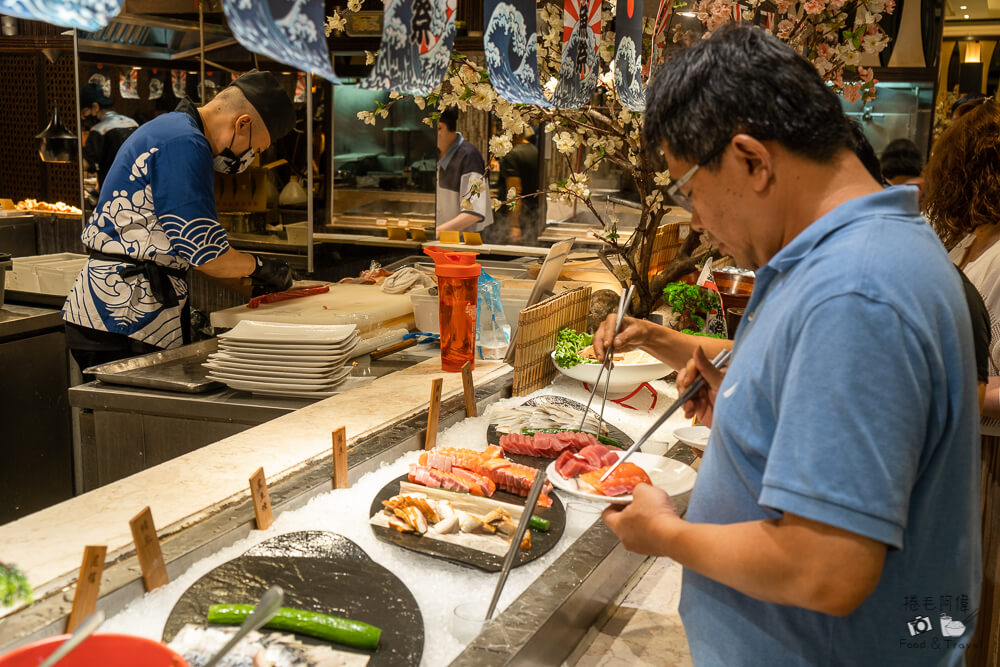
(102, 81)
(580, 64)
(179, 83)
(155, 88)
(300, 88)
(417, 39)
(89, 15)
(660, 38)
(128, 84)
(511, 45)
(628, 55)
(297, 39)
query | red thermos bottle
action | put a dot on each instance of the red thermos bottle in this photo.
(458, 291)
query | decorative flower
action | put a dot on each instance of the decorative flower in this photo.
(500, 145)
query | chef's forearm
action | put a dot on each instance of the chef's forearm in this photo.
(991, 406)
(459, 222)
(676, 348)
(231, 264)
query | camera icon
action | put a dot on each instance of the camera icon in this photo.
(919, 625)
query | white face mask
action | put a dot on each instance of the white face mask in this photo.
(227, 162)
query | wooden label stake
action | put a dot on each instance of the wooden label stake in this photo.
(340, 458)
(147, 548)
(88, 586)
(470, 391)
(261, 500)
(433, 412)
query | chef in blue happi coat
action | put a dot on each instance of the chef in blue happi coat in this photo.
(156, 219)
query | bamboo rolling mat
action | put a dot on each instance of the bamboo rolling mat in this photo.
(537, 329)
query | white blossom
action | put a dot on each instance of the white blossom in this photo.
(500, 145)
(565, 142)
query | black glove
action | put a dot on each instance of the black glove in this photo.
(272, 274)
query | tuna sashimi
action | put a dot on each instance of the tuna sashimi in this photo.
(591, 457)
(457, 480)
(517, 479)
(547, 445)
(622, 480)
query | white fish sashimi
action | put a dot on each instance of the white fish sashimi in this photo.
(198, 644)
(543, 416)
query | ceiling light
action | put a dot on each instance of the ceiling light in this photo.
(963, 6)
(966, 16)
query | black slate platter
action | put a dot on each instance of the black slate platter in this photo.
(315, 543)
(356, 588)
(541, 543)
(541, 463)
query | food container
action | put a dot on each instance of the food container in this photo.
(58, 277)
(106, 650)
(426, 316)
(735, 286)
(298, 232)
(24, 276)
(5, 265)
(458, 291)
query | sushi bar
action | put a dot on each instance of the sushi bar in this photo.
(446, 332)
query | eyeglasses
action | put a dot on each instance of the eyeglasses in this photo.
(674, 189)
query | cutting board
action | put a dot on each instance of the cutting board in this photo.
(364, 305)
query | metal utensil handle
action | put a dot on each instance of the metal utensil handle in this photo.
(87, 628)
(697, 385)
(265, 610)
(623, 299)
(515, 542)
(609, 357)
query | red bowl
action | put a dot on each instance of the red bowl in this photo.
(108, 650)
(735, 288)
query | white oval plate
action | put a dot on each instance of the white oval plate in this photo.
(284, 332)
(693, 436)
(672, 476)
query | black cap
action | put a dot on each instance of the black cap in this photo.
(265, 93)
(91, 93)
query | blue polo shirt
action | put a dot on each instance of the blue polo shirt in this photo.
(850, 400)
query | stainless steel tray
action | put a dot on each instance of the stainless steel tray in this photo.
(178, 369)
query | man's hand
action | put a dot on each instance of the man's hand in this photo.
(631, 336)
(273, 274)
(637, 523)
(703, 404)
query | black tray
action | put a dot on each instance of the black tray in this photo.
(349, 586)
(540, 462)
(541, 543)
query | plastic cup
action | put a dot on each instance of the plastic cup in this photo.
(468, 620)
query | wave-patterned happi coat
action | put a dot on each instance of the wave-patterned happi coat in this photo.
(298, 38)
(417, 40)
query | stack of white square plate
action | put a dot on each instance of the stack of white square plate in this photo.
(278, 359)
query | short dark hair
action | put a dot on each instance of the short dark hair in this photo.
(863, 149)
(743, 80)
(965, 99)
(901, 158)
(450, 118)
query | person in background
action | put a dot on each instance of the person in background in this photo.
(463, 192)
(966, 103)
(901, 163)
(840, 484)
(519, 171)
(962, 201)
(156, 219)
(108, 130)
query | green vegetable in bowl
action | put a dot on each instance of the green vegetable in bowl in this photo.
(568, 346)
(331, 628)
(14, 586)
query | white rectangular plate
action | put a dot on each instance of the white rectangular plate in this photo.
(282, 332)
(276, 361)
(254, 375)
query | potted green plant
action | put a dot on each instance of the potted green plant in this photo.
(693, 305)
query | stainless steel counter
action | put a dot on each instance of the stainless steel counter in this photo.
(17, 320)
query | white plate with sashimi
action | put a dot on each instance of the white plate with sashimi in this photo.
(549, 427)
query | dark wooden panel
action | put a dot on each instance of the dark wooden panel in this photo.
(121, 451)
(168, 438)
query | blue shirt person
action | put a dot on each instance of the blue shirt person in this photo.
(835, 519)
(156, 219)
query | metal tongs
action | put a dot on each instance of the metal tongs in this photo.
(720, 362)
(623, 303)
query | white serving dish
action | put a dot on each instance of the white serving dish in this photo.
(287, 385)
(694, 436)
(270, 372)
(624, 377)
(264, 353)
(314, 348)
(252, 331)
(279, 359)
(306, 383)
(281, 362)
(672, 476)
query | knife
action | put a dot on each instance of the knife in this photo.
(515, 542)
(719, 362)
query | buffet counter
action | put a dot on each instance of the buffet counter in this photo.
(200, 504)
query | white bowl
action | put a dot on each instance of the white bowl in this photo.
(624, 377)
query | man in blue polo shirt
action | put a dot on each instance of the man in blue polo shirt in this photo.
(835, 518)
